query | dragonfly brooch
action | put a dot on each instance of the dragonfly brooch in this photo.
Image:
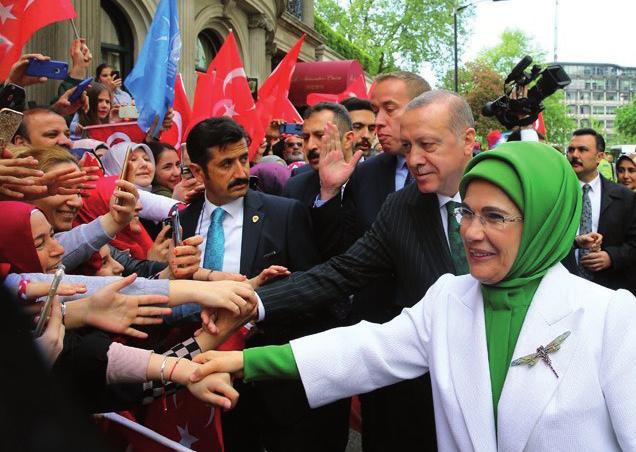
(543, 354)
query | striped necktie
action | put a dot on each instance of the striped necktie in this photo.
(458, 254)
(585, 227)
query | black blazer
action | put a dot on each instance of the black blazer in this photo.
(276, 231)
(304, 187)
(617, 224)
(406, 243)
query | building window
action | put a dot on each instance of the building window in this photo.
(584, 122)
(598, 110)
(570, 95)
(572, 109)
(609, 124)
(611, 110)
(584, 109)
(610, 96)
(598, 96)
(584, 95)
(295, 8)
(116, 36)
(626, 97)
(207, 46)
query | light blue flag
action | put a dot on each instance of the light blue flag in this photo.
(151, 81)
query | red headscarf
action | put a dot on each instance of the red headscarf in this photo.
(97, 203)
(16, 238)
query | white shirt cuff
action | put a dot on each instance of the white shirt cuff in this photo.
(261, 309)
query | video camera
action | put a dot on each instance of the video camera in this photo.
(517, 110)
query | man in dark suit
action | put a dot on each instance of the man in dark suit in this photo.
(245, 232)
(409, 241)
(305, 186)
(610, 210)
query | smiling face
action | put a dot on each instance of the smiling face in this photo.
(60, 210)
(48, 249)
(626, 172)
(490, 250)
(168, 173)
(435, 156)
(141, 168)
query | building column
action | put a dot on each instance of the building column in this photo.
(261, 29)
(188, 45)
(308, 13)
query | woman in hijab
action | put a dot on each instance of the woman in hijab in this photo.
(626, 171)
(522, 354)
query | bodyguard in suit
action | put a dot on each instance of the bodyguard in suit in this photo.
(610, 210)
(414, 239)
(305, 186)
(245, 232)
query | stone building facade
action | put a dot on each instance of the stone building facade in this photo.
(115, 30)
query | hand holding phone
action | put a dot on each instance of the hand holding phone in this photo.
(59, 274)
(177, 236)
(125, 170)
(81, 87)
(57, 70)
(10, 120)
(291, 129)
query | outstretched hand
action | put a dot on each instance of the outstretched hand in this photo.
(214, 361)
(271, 272)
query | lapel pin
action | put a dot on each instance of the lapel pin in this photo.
(543, 354)
(255, 218)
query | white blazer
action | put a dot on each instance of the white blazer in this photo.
(590, 407)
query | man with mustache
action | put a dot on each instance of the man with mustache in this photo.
(245, 232)
(305, 185)
(610, 210)
(363, 124)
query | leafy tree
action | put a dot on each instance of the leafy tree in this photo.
(514, 45)
(625, 122)
(396, 33)
(483, 85)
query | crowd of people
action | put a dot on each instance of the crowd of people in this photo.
(344, 259)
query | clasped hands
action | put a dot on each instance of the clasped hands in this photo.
(596, 260)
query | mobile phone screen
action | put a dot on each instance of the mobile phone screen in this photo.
(9, 122)
(124, 170)
(59, 274)
(176, 229)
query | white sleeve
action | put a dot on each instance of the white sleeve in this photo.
(617, 369)
(346, 361)
(155, 207)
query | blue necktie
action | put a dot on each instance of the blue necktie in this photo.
(215, 243)
(409, 179)
(585, 227)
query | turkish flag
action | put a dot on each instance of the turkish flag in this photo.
(116, 132)
(539, 125)
(19, 19)
(357, 88)
(182, 114)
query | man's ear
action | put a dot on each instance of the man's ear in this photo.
(197, 172)
(347, 145)
(469, 141)
(19, 140)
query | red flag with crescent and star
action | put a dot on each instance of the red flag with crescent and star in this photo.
(19, 19)
(182, 113)
(223, 90)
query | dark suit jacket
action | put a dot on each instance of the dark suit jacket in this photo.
(406, 243)
(304, 187)
(617, 224)
(301, 169)
(339, 224)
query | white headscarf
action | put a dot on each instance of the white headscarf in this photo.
(113, 160)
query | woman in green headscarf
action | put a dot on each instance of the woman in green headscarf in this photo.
(522, 354)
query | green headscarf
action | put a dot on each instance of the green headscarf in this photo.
(544, 187)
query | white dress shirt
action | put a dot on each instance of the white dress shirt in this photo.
(443, 199)
(232, 232)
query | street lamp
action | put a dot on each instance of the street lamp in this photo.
(456, 11)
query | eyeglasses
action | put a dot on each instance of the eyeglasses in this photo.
(493, 220)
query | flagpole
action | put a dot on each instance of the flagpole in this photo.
(75, 30)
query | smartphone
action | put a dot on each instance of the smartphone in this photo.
(59, 274)
(177, 236)
(114, 74)
(128, 112)
(81, 87)
(9, 122)
(291, 129)
(186, 172)
(124, 170)
(57, 70)
(167, 222)
(12, 96)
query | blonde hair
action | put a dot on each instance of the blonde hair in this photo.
(415, 84)
(47, 157)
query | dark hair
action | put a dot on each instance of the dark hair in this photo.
(355, 104)
(91, 118)
(340, 115)
(158, 147)
(211, 133)
(600, 141)
(22, 129)
(99, 70)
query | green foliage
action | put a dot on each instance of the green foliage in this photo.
(514, 45)
(625, 123)
(480, 84)
(341, 45)
(395, 33)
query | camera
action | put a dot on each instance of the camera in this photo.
(517, 110)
